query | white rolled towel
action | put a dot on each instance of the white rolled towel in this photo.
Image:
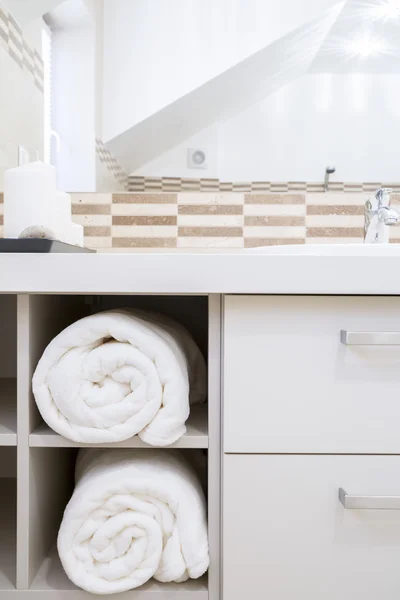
(119, 373)
(134, 515)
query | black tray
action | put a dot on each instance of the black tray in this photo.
(41, 245)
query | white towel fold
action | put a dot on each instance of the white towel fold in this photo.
(134, 514)
(119, 373)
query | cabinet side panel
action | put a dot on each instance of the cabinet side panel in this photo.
(214, 448)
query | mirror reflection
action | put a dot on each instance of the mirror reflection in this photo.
(184, 96)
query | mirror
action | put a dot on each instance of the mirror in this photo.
(203, 95)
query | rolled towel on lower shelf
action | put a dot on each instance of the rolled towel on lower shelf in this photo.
(116, 374)
(134, 515)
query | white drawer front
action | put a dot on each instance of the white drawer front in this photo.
(287, 536)
(291, 385)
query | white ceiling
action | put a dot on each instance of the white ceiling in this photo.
(360, 20)
(25, 11)
(68, 15)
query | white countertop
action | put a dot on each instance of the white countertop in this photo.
(231, 272)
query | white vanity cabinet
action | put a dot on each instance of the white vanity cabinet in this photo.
(291, 384)
(309, 410)
(287, 536)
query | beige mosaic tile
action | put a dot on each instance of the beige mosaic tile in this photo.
(129, 198)
(339, 209)
(141, 183)
(191, 185)
(336, 240)
(210, 232)
(91, 198)
(97, 231)
(264, 186)
(274, 232)
(130, 221)
(273, 221)
(150, 220)
(297, 185)
(96, 243)
(333, 199)
(335, 221)
(204, 199)
(226, 186)
(210, 220)
(335, 232)
(270, 210)
(274, 199)
(148, 231)
(92, 220)
(91, 209)
(135, 242)
(241, 187)
(210, 209)
(394, 233)
(155, 185)
(255, 242)
(127, 210)
(210, 242)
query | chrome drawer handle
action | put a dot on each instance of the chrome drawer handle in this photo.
(370, 338)
(369, 502)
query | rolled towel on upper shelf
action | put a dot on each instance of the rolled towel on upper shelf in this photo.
(119, 373)
(134, 515)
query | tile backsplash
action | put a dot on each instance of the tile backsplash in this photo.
(136, 183)
(123, 222)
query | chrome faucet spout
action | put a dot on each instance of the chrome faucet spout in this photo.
(378, 216)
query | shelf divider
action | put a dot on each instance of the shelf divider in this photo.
(195, 437)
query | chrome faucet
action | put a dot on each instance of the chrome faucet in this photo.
(378, 216)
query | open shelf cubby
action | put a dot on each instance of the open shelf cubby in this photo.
(37, 464)
(8, 526)
(8, 370)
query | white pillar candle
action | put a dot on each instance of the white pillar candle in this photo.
(63, 216)
(75, 235)
(29, 198)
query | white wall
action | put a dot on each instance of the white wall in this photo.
(156, 51)
(95, 9)
(21, 106)
(352, 121)
(74, 91)
(175, 161)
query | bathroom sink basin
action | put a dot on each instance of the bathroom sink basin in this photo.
(329, 250)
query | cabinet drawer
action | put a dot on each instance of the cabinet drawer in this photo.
(286, 534)
(291, 385)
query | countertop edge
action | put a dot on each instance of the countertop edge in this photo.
(198, 274)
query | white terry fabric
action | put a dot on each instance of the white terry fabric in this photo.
(116, 374)
(134, 514)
